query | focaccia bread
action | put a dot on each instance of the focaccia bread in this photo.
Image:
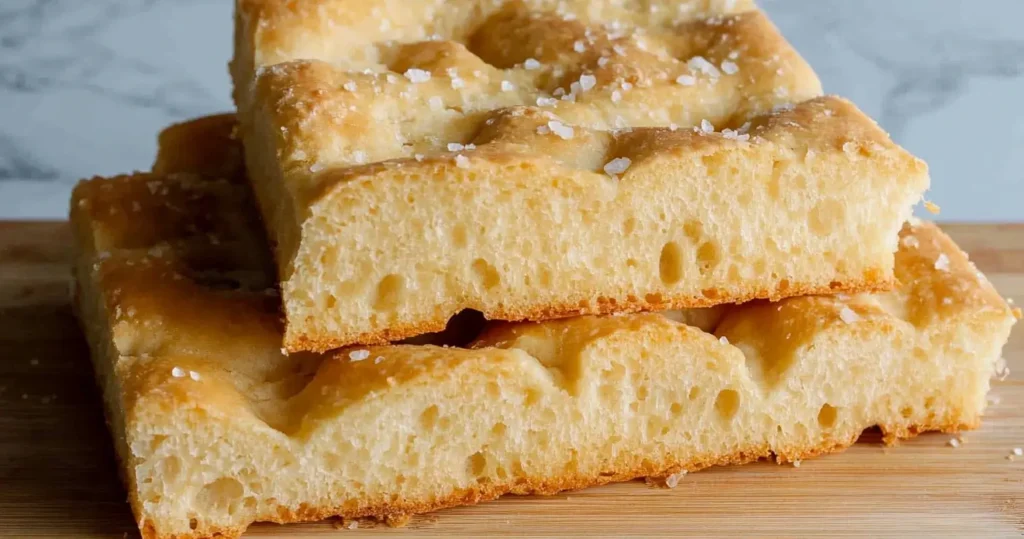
(217, 429)
(535, 160)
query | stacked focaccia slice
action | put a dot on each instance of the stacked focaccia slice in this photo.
(216, 428)
(540, 159)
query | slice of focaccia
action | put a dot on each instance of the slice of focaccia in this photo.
(540, 159)
(217, 429)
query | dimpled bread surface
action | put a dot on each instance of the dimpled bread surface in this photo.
(216, 428)
(540, 159)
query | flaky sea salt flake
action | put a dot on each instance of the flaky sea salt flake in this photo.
(617, 166)
(563, 131)
(701, 64)
(848, 315)
(358, 355)
(587, 82)
(417, 76)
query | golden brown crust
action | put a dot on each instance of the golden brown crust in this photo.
(208, 143)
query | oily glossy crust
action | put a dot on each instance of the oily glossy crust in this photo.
(208, 224)
(208, 143)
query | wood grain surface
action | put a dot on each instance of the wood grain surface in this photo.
(58, 478)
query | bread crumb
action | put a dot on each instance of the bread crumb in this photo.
(672, 481)
(358, 355)
(932, 207)
(178, 372)
(848, 315)
(1002, 371)
(942, 263)
(417, 76)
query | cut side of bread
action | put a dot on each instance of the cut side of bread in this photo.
(536, 162)
(216, 428)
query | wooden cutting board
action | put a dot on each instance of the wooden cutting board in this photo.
(57, 474)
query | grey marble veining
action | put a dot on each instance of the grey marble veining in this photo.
(86, 84)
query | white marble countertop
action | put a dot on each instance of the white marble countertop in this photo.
(87, 84)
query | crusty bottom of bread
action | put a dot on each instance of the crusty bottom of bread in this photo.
(871, 281)
(397, 513)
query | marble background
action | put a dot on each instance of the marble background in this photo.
(86, 84)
